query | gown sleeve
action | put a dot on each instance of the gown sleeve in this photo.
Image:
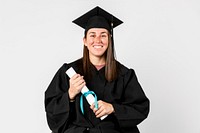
(134, 106)
(57, 105)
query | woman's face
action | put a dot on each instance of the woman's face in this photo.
(96, 41)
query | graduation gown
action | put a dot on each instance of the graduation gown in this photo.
(131, 106)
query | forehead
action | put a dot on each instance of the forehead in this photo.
(97, 30)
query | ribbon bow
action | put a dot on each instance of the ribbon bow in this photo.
(86, 94)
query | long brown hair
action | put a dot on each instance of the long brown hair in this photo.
(111, 63)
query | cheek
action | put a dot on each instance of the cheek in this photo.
(105, 41)
(87, 43)
(90, 41)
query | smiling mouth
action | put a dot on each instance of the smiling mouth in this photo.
(98, 46)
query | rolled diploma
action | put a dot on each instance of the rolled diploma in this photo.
(90, 98)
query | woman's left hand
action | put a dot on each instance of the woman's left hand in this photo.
(104, 108)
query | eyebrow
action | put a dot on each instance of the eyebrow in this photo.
(104, 32)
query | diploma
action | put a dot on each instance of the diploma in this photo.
(90, 98)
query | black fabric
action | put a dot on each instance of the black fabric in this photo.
(125, 94)
(97, 18)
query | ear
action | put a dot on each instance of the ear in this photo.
(84, 41)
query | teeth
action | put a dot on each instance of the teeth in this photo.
(97, 46)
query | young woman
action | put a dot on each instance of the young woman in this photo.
(120, 96)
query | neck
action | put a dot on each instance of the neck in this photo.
(97, 60)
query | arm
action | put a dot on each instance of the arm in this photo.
(57, 103)
(134, 105)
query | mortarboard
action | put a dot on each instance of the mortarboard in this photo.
(98, 18)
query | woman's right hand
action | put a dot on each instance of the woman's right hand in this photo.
(76, 84)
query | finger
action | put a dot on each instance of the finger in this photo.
(100, 102)
(75, 76)
(97, 109)
(100, 112)
(80, 78)
(92, 106)
(79, 87)
(94, 109)
(79, 82)
(72, 80)
(76, 88)
(97, 112)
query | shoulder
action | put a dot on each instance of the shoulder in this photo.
(128, 75)
(75, 64)
(124, 70)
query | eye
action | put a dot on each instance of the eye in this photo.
(92, 35)
(104, 35)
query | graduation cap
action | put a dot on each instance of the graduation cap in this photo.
(98, 18)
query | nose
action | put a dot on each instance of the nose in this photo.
(97, 39)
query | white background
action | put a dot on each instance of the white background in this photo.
(159, 38)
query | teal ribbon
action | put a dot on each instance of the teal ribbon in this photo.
(86, 94)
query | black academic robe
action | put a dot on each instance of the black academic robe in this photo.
(125, 94)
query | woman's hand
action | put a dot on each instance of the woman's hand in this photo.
(76, 84)
(104, 108)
